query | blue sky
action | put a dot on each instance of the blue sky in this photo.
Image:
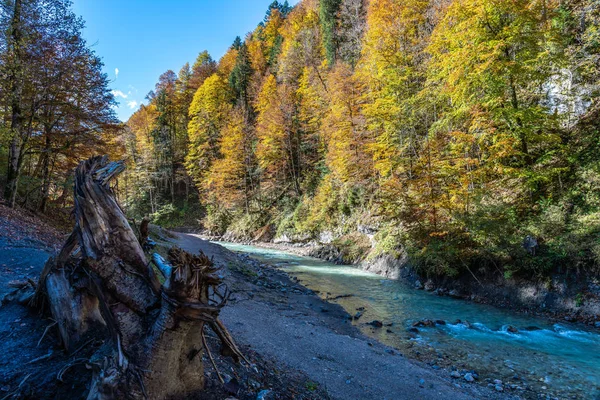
(141, 39)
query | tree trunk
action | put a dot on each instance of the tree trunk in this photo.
(45, 173)
(15, 77)
(102, 285)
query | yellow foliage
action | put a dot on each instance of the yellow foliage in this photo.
(226, 181)
(343, 128)
(227, 62)
(208, 113)
(274, 151)
(256, 51)
(301, 42)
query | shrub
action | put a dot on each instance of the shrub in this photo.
(217, 220)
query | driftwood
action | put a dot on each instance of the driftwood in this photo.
(101, 284)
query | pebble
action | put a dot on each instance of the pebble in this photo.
(421, 383)
(499, 388)
(469, 377)
(511, 329)
(455, 374)
(254, 384)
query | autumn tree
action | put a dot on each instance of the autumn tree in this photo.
(312, 106)
(57, 93)
(278, 144)
(302, 45)
(209, 114)
(229, 181)
(351, 28)
(203, 67)
(343, 128)
(15, 54)
(496, 82)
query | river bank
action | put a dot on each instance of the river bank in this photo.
(563, 297)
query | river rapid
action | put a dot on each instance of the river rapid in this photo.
(540, 359)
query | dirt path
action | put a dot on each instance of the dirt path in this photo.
(25, 244)
(284, 321)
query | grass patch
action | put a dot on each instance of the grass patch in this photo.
(312, 386)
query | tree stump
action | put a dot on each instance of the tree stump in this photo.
(102, 285)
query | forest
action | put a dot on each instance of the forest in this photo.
(453, 130)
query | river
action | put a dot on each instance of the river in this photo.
(560, 360)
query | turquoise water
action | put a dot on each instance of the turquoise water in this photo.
(560, 360)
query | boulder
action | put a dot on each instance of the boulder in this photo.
(424, 323)
(429, 286)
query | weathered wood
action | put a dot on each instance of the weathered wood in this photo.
(74, 310)
(153, 331)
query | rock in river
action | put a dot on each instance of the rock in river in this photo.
(423, 322)
(429, 285)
